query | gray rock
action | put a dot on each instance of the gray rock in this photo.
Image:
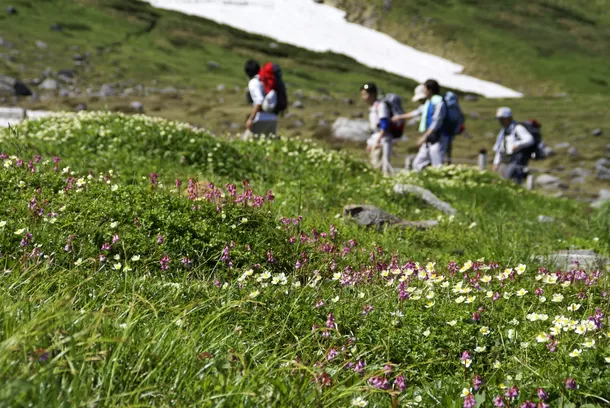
(322, 124)
(49, 84)
(56, 27)
(474, 115)
(299, 94)
(604, 197)
(168, 90)
(348, 101)
(564, 145)
(579, 172)
(371, 216)
(106, 90)
(578, 180)
(425, 195)
(80, 107)
(298, 105)
(548, 181)
(137, 106)
(47, 73)
(235, 126)
(545, 220)
(298, 124)
(602, 169)
(358, 115)
(573, 152)
(64, 93)
(317, 115)
(548, 152)
(220, 87)
(78, 57)
(350, 129)
(213, 65)
(5, 43)
(387, 5)
(568, 259)
(41, 44)
(11, 10)
(597, 132)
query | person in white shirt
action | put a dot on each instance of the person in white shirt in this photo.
(262, 120)
(379, 120)
(513, 146)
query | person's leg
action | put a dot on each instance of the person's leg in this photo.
(386, 146)
(438, 151)
(377, 157)
(422, 160)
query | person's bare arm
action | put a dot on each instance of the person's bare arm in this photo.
(255, 109)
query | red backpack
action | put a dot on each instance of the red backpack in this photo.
(271, 77)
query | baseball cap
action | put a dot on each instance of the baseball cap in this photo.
(504, 113)
(419, 93)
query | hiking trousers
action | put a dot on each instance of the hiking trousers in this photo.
(515, 168)
(432, 154)
(262, 128)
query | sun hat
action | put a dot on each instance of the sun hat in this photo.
(504, 113)
(419, 93)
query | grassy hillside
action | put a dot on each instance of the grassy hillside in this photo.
(538, 47)
(121, 287)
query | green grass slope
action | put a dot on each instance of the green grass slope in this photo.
(538, 47)
(122, 288)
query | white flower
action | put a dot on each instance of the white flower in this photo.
(590, 343)
(521, 292)
(486, 279)
(480, 349)
(473, 225)
(557, 297)
(573, 307)
(359, 402)
(452, 323)
(244, 220)
(466, 266)
(470, 299)
(511, 334)
(607, 359)
(465, 392)
(520, 269)
(507, 295)
(541, 337)
(542, 299)
(426, 333)
(254, 294)
(430, 304)
(2, 224)
(484, 330)
(361, 295)
(114, 187)
(489, 294)
(467, 362)
(337, 275)
(575, 353)
(524, 345)
(135, 258)
(460, 299)
(20, 231)
(497, 364)
(117, 266)
(114, 224)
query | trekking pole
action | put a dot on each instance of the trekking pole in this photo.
(482, 159)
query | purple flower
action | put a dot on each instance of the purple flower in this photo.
(37, 158)
(465, 355)
(56, 159)
(469, 401)
(26, 240)
(498, 401)
(178, 184)
(570, 383)
(512, 392)
(381, 383)
(476, 317)
(106, 247)
(496, 296)
(298, 264)
(160, 239)
(115, 239)
(232, 189)
(165, 262)
(270, 196)
(543, 404)
(528, 404)
(542, 394)
(332, 353)
(359, 368)
(330, 322)
(186, 262)
(319, 303)
(102, 257)
(478, 382)
(401, 383)
(366, 309)
(154, 178)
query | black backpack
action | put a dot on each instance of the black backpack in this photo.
(536, 151)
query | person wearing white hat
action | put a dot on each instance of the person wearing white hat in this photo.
(512, 146)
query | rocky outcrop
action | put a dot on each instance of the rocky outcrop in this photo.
(425, 195)
(371, 216)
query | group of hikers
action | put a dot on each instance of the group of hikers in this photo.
(440, 121)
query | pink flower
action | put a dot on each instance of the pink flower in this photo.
(512, 392)
(498, 401)
(478, 382)
(115, 239)
(154, 178)
(401, 383)
(528, 404)
(165, 262)
(570, 383)
(469, 401)
(160, 239)
(542, 394)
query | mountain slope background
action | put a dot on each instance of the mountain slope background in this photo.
(190, 69)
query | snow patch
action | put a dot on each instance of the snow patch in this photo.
(319, 27)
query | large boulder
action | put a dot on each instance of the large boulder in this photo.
(354, 130)
(425, 195)
(13, 87)
(49, 84)
(602, 169)
(604, 197)
(371, 216)
(568, 259)
(548, 181)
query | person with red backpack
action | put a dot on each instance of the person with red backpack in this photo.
(267, 94)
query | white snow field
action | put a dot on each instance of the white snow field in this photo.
(319, 27)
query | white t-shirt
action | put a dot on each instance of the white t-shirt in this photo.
(257, 93)
(377, 111)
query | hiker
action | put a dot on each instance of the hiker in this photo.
(379, 120)
(262, 120)
(435, 141)
(419, 96)
(513, 146)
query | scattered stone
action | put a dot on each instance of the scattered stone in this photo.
(387, 5)
(64, 93)
(168, 90)
(474, 115)
(41, 44)
(137, 106)
(371, 216)
(322, 124)
(78, 57)
(47, 73)
(290, 115)
(573, 152)
(274, 45)
(298, 124)
(604, 197)
(298, 105)
(348, 101)
(578, 180)
(355, 130)
(602, 169)
(5, 43)
(566, 260)
(471, 98)
(49, 84)
(545, 219)
(80, 107)
(235, 126)
(56, 27)
(220, 87)
(563, 145)
(579, 172)
(548, 181)
(548, 152)
(299, 94)
(11, 10)
(425, 195)
(213, 65)
(106, 90)
(597, 132)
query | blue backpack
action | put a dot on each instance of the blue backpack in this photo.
(454, 119)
